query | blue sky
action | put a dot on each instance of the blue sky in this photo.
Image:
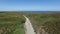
(29, 5)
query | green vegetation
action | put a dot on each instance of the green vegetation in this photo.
(11, 23)
(51, 22)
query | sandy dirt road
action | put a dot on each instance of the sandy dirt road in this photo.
(28, 27)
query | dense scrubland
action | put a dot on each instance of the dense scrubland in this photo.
(11, 23)
(49, 21)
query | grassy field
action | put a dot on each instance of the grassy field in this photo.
(11, 23)
(51, 22)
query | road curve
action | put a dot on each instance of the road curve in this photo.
(28, 27)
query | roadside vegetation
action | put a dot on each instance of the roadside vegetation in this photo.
(11, 23)
(50, 21)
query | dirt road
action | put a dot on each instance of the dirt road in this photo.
(28, 27)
